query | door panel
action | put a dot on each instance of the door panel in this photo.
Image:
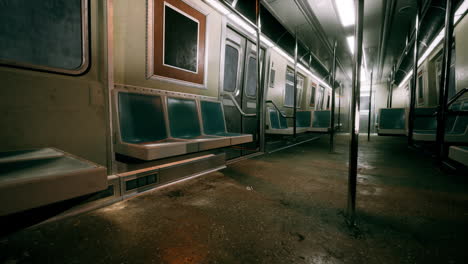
(240, 80)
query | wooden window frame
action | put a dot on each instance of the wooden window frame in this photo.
(156, 68)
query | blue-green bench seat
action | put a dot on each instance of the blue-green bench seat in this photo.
(142, 128)
(392, 121)
(277, 124)
(184, 123)
(456, 128)
(214, 123)
(36, 177)
(156, 126)
(320, 121)
(459, 154)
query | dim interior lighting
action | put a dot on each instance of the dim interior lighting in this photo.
(458, 14)
(350, 41)
(345, 11)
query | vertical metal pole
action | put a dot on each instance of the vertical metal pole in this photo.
(340, 91)
(414, 80)
(295, 84)
(392, 81)
(260, 90)
(353, 148)
(370, 108)
(388, 91)
(444, 80)
(332, 112)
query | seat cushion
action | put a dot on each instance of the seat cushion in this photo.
(303, 118)
(141, 118)
(183, 118)
(392, 118)
(212, 117)
(274, 119)
(321, 119)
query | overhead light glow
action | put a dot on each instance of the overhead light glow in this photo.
(218, 6)
(458, 14)
(242, 23)
(345, 11)
(266, 41)
(350, 41)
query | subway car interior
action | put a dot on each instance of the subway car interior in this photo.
(233, 131)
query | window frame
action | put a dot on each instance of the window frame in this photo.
(420, 88)
(155, 68)
(85, 51)
(313, 94)
(299, 88)
(250, 55)
(239, 60)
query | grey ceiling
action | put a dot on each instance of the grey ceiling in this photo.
(386, 25)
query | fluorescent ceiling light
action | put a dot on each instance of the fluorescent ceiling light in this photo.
(460, 11)
(350, 41)
(345, 11)
(242, 23)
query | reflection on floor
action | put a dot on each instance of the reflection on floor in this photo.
(285, 207)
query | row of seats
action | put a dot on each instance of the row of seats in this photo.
(155, 126)
(312, 121)
(393, 121)
(456, 126)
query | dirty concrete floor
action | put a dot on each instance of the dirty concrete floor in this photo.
(286, 207)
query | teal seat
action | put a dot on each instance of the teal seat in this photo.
(183, 118)
(279, 125)
(321, 119)
(215, 124)
(425, 119)
(303, 118)
(141, 118)
(274, 119)
(392, 118)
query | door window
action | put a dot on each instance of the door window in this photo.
(231, 64)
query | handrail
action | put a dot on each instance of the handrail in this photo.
(238, 106)
(277, 109)
(456, 96)
(454, 99)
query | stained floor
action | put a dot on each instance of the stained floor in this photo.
(285, 207)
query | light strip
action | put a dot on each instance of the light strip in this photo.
(218, 6)
(458, 14)
(350, 41)
(345, 12)
(241, 23)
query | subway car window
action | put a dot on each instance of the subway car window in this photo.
(49, 35)
(320, 98)
(420, 88)
(251, 89)
(289, 88)
(231, 60)
(312, 95)
(179, 41)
